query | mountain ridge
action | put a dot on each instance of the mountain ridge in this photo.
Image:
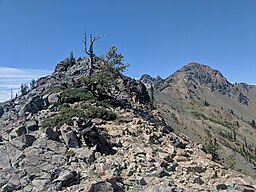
(197, 99)
(67, 135)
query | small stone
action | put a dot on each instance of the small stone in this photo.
(141, 181)
(97, 121)
(182, 153)
(131, 169)
(199, 181)
(221, 187)
(196, 169)
(163, 173)
(180, 158)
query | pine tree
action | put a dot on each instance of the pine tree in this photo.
(23, 89)
(111, 67)
(32, 84)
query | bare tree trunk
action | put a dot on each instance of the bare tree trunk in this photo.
(89, 51)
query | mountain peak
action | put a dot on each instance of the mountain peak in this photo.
(199, 74)
(195, 76)
(149, 81)
(203, 71)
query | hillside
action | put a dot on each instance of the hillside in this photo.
(67, 135)
(200, 103)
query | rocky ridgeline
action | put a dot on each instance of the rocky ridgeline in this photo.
(131, 151)
(194, 75)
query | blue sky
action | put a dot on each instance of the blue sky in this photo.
(156, 36)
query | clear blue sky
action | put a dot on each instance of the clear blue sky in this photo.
(155, 36)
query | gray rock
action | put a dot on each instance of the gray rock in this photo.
(64, 178)
(32, 125)
(163, 173)
(18, 131)
(69, 137)
(221, 186)
(85, 154)
(99, 186)
(4, 158)
(199, 181)
(33, 105)
(51, 134)
(160, 189)
(40, 184)
(54, 99)
(243, 99)
(9, 187)
(141, 181)
(28, 140)
(57, 147)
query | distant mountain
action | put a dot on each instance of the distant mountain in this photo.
(149, 81)
(199, 101)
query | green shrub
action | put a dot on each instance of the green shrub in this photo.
(198, 115)
(230, 161)
(226, 124)
(210, 145)
(64, 117)
(72, 95)
(98, 112)
(56, 89)
(23, 89)
(226, 134)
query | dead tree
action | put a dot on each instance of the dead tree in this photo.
(89, 51)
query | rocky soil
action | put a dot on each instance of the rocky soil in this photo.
(136, 151)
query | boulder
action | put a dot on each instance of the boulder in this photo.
(221, 186)
(28, 140)
(85, 154)
(64, 178)
(99, 186)
(18, 131)
(54, 99)
(33, 105)
(51, 134)
(69, 136)
(32, 125)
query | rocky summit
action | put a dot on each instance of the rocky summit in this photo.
(66, 134)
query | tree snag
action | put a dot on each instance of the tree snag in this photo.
(90, 51)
